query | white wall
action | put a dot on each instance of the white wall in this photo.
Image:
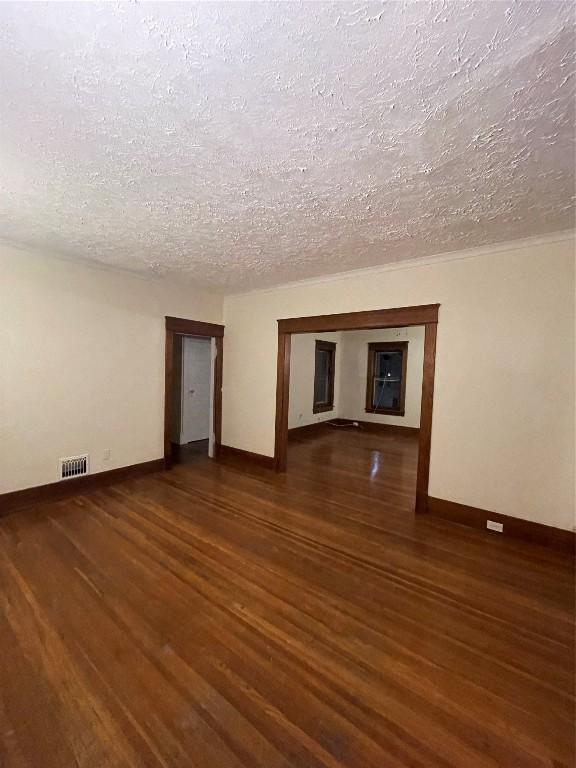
(354, 370)
(503, 427)
(82, 364)
(302, 365)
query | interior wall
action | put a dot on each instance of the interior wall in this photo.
(302, 366)
(503, 427)
(176, 389)
(350, 376)
(354, 372)
(82, 364)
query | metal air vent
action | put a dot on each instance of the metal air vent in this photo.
(73, 466)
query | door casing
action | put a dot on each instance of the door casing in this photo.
(398, 317)
(177, 325)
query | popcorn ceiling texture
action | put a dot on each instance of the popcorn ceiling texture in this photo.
(246, 144)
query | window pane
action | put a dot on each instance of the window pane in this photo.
(387, 383)
(388, 365)
(322, 380)
(386, 394)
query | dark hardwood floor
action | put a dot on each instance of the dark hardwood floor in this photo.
(218, 618)
(189, 452)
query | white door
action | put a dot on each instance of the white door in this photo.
(196, 400)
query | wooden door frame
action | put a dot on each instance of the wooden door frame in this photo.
(400, 317)
(179, 326)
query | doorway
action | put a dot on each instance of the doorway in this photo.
(192, 431)
(424, 315)
(354, 411)
(193, 390)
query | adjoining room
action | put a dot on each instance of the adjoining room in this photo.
(354, 412)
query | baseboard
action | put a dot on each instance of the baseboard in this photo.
(246, 457)
(368, 426)
(307, 429)
(373, 426)
(29, 497)
(536, 533)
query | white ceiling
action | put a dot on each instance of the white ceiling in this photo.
(247, 144)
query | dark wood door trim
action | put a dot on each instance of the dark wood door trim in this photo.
(426, 315)
(194, 327)
(398, 317)
(426, 406)
(282, 401)
(177, 325)
(327, 346)
(381, 346)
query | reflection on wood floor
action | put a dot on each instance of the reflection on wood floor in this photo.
(215, 617)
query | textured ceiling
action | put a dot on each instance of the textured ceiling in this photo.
(247, 144)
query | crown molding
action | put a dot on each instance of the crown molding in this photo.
(423, 261)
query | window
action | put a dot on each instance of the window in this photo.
(324, 376)
(386, 386)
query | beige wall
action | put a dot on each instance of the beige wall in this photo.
(350, 376)
(82, 364)
(354, 370)
(503, 427)
(302, 364)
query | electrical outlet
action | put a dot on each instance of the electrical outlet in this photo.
(355, 424)
(106, 455)
(492, 526)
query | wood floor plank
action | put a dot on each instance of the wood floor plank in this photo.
(212, 616)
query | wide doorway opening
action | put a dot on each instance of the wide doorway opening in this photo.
(354, 414)
(381, 360)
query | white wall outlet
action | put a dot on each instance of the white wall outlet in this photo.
(355, 423)
(492, 526)
(106, 455)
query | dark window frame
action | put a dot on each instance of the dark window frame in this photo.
(386, 346)
(324, 346)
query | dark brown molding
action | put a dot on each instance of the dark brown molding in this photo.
(516, 527)
(168, 396)
(282, 402)
(245, 457)
(330, 347)
(368, 426)
(63, 489)
(218, 375)
(389, 346)
(177, 325)
(322, 408)
(193, 327)
(350, 321)
(426, 315)
(374, 426)
(307, 429)
(426, 407)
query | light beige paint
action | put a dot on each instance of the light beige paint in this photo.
(302, 364)
(354, 370)
(503, 426)
(82, 364)
(350, 376)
